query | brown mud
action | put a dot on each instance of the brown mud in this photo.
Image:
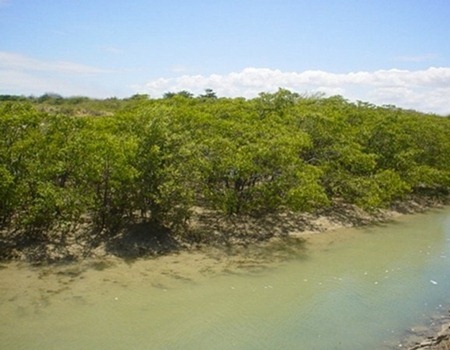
(206, 228)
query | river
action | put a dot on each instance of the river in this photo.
(347, 289)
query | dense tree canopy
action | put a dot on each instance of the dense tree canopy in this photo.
(120, 161)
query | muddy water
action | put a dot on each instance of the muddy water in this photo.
(350, 289)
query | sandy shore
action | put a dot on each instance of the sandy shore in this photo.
(206, 228)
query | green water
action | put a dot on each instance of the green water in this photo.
(352, 289)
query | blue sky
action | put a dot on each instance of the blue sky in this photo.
(381, 51)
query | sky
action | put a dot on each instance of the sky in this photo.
(393, 52)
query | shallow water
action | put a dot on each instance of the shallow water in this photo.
(349, 289)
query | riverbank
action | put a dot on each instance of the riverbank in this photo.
(205, 229)
(433, 336)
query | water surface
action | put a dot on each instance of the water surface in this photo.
(349, 289)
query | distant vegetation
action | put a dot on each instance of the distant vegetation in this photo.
(68, 161)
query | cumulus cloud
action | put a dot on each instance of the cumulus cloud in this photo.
(426, 90)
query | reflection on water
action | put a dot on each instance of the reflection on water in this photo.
(350, 289)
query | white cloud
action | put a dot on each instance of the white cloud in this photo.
(417, 58)
(18, 62)
(14, 81)
(20, 74)
(111, 50)
(426, 90)
(178, 68)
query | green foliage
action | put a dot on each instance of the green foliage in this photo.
(108, 175)
(251, 169)
(307, 193)
(65, 161)
(164, 169)
(209, 94)
(7, 196)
